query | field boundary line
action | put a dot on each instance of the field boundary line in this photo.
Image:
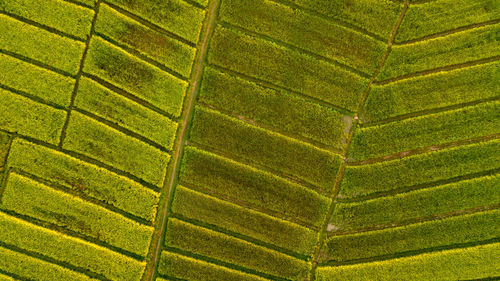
(270, 128)
(340, 175)
(31, 97)
(121, 129)
(171, 175)
(148, 23)
(341, 23)
(75, 2)
(427, 112)
(6, 170)
(423, 150)
(272, 86)
(37, 63)
(70, 233)
(416, 220)
(262, 168)
(61, 188)
(42, 26)
(13, 276)
(195, 4)
(223, 264)
(53, 261)
(130, 96)
(420, 186)
(292, 47)
(447, 32)
(246, 205)
(240, 236)
(79, 74)
(138, 55)
(436, 70)
(412, 253)
(87, 159)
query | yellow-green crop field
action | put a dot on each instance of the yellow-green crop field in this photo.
(247, 140)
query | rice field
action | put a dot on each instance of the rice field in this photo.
(283, 140)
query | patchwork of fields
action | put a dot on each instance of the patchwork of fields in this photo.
(249, 140)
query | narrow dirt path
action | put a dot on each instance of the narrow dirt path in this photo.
(199, 62)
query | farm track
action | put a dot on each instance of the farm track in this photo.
(172, 173)
(340, 175)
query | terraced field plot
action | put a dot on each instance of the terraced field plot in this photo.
(249, 140)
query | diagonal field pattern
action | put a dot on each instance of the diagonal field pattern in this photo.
(145, 140)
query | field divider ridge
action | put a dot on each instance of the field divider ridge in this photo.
(270, 128)
(406, 222)
(84, 197)
(141, 57)
(73, 234)
(224, 264)
(42, 26)
(359, 29)
(413, 252)
(149, 24)
(275, 87)
(427, 112)
(75, 2)
(121, 129)
(171, 175)
(239, 236)
(437, 69)
(130, 96)
(447, 32)
(31, 97)
(396, 191)
(54, 261)
(88, 159)
(37, 63)
(79, 74)
(247, 205)
(262, 168)
(5, 173)
(340, 175)
(294, 48)
(422, 150)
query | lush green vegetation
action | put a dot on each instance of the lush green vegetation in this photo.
(94, 139)
(140, 78)
(47, 85)
(60, 15)
(98, 100)
(36, 269)
(433, 91)
(437, 16)
(151, 43)
(445, 127)
(40, 45)
(466, 264)
(194, 205)
(27, 197)
(176, 16)
(288, 112)
(207, 172)
(84, 178)
(286, 68)
(187, 268)
(62, 248)
(262, 147)
(420, 168)
(461, 47)
(27, 117)
(426, 202)
(378, 17)
(206, 242)
(446, 232)
(306, 31)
